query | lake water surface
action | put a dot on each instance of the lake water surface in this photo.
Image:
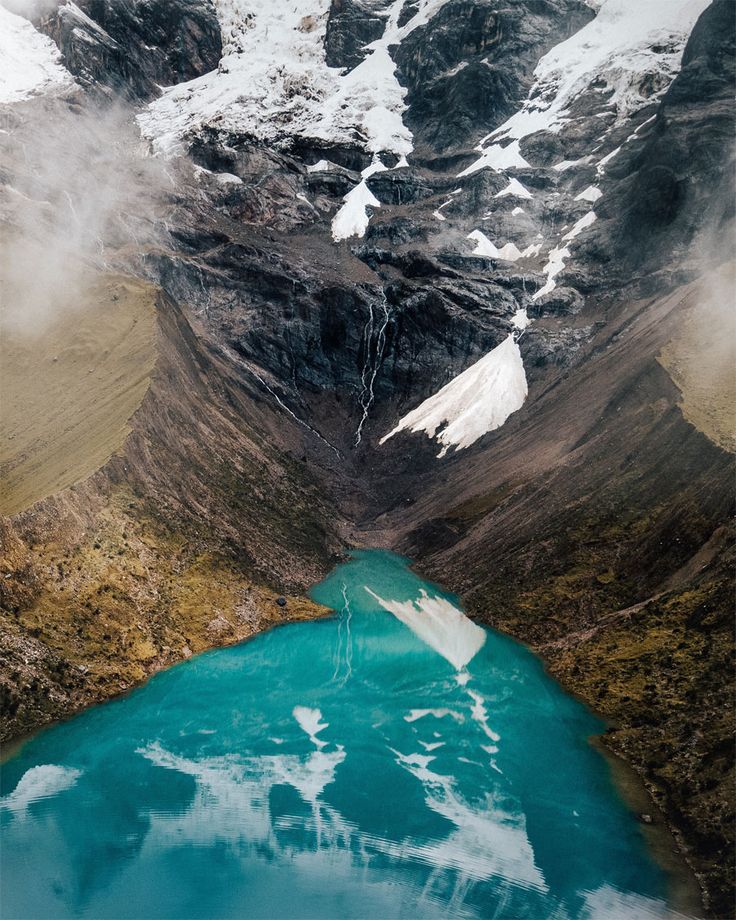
(394, 760)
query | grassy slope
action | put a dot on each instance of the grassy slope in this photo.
(181, 541)
(70, 386)
(598, 498)
(89, 613)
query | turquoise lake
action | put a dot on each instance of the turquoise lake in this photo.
(394, 760)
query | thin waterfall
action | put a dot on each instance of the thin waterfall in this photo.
(374, 336)
(246, 366)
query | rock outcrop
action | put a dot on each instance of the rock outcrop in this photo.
(131, 48)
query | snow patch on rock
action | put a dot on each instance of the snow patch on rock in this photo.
(555, 264)
(514, 188)
(626, 43)
(352, 219)
(509, 252)
(30, 63)
(477, 401)
(273, 82)
(591, 193)
(498, 158)
(585, 221)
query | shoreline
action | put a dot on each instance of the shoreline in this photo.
(684, 891)
(664, 840)
(12, 746)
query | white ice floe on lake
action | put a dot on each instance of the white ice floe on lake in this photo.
(432, 745)
(591, 193)
(627, 41)
(39, 783)
(480, 715)
(309, 722)
(439, 624)
(232, 808)
(231, 800)
(415, 714)
(486, 841)
(273, 81)
(608, 903)
(477, 401)
(514, 188)
(415, 760)
(30, 62)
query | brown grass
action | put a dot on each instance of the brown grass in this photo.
(69, 389)
(701, 359)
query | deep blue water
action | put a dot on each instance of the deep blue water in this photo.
(333, 769)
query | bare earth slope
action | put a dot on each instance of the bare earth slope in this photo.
(70, 387)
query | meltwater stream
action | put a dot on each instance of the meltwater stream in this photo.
(394, 760)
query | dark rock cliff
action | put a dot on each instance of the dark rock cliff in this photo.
(472, 63)
(673, 198)
(130, 47)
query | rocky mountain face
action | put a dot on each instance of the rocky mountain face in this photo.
(496, 232)
(129, 49)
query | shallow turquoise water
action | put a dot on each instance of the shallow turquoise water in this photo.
(333, 769)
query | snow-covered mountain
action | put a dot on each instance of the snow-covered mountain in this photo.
(450, 276)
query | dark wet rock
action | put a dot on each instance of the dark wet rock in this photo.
(132, 46)
(679, 176)
(351, 26)
(563, 301)
(471, 64)
(414, 263)
(400, 187)
(396, 231)
(311, 151)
